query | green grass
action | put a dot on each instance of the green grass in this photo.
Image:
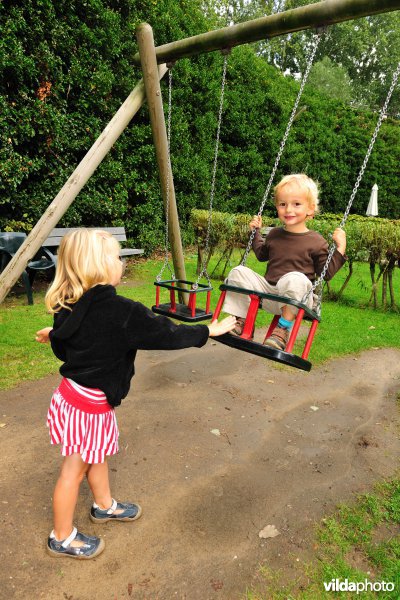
(345, 329)
(365, 533)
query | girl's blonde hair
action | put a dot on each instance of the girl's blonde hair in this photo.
(306, 184)
(86, 258)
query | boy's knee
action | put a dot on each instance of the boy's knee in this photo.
(294, 285)
(237, 273)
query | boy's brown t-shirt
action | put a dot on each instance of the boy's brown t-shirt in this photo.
(286, 252)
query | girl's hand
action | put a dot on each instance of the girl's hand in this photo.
(256, 222)
(339, 237)
(218, 328)
(42, 336)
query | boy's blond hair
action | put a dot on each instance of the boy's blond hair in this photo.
(304, 183)
(86, 258)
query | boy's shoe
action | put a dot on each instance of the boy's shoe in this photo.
(278, 339)
(238, 329)
(126, 512)
(86, 546)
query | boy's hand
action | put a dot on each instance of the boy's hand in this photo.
(339, 237)
(218, 328)
(256, 222)
(42, 336)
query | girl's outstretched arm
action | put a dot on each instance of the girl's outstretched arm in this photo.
(218, 328)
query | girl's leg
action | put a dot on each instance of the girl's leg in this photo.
(97, 476)
(73, 470)
(105, 507)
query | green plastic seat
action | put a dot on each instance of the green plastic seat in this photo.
(10, 242)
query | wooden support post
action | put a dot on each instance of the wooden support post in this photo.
(310, 16)
(73, 186)
(144, 34)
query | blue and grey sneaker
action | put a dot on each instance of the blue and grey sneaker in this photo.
(118, 511)
(76, 545)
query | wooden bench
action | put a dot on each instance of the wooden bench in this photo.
(55, 237)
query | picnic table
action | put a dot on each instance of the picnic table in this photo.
(46, 259)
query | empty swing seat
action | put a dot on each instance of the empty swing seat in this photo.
(190, 313)
(247, 344)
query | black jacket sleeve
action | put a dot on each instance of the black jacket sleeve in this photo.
(56, 345)
(146, 331)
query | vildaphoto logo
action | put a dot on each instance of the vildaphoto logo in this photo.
(339, 585)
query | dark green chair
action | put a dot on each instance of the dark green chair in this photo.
(43, 260)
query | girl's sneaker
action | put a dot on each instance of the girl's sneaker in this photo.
(118, 511)
(77, 545)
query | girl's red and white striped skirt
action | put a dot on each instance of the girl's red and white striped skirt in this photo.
(81, 419)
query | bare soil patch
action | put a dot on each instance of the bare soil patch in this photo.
(205, 497)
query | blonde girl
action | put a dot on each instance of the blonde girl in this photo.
(96, 335)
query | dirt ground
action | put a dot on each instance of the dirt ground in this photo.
(291, 446)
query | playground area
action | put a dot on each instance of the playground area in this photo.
(215, 446)
(234, 459)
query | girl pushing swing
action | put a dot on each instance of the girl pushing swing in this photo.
(96, 335)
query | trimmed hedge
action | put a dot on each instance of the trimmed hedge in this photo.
(373, 240)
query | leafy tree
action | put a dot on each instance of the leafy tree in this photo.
(331, 80)
(367, 48)
(65, 68)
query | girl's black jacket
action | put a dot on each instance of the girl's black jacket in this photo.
(97, 341)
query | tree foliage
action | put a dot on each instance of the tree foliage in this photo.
(367, 49)
(66, 67)
(331, 80)
(375, 241)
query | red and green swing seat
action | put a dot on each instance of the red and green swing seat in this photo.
(190, 313)
(247, 344)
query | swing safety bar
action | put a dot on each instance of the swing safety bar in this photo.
(181, 312)
(245, 341)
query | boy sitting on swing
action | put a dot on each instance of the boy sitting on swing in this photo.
(295, 255)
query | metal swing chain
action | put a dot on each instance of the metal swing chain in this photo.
(283, 143)
(166, 241)
(382, 115)
(203, 271)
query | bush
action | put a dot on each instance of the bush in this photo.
(376, 241)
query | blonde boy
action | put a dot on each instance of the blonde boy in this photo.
(295, 255)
